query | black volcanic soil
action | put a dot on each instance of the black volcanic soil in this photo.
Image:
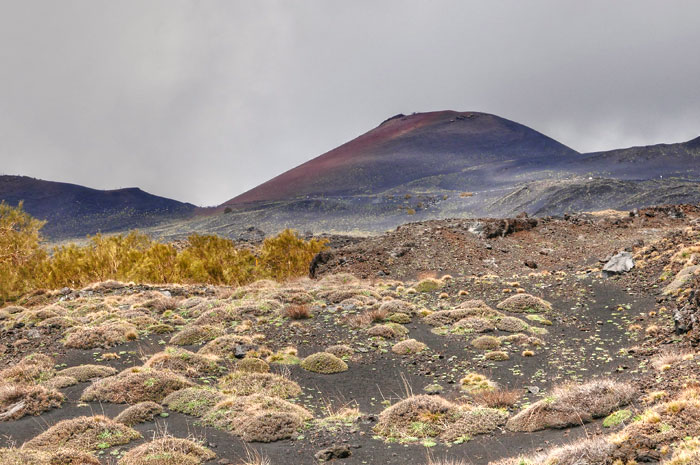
(585, 322)
(591, 335)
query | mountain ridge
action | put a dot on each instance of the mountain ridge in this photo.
(73, 210)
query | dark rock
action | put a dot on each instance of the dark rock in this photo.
(321, 258)
(531, 264)
(334, 452)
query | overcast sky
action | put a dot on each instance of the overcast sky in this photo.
(201, 100)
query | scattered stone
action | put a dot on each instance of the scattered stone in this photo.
(335, 452)
(620, 263)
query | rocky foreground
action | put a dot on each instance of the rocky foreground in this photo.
(492, 341)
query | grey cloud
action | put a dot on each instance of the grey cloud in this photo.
(202, 100)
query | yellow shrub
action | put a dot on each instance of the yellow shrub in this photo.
(20, 250)
(24, 265)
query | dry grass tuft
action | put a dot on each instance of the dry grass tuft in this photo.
(168, 451)
(242, 383)
(497, 398)
(423, 416)
(297, 312)
(184, 362)
(83, 434)
(583, 452)
(511, 324)
(32, 369)
(18, 400)
(195, 401)
(84, 373)
(486, 343)
(194, 334)
(408, 347)
(12, 456)
(366, 318)
(497, 356)
(240, 414)
(228, 346)
(476, 382)
(105, 335)
(573, 404)
(341, 351)
(524, 303)
(388, 331)
(135, 385)
(323, 362)
(139, 413)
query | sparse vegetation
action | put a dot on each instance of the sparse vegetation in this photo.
(139, 413)
(83, 434)
(25, 265)
(323, 362)
(573, 404)
(168, 451)
(135, 385)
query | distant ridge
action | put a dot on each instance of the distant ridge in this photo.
(72, 210)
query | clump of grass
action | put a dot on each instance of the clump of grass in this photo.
(323, 362)
(83, 434)
(135, 385)
(270, 427)
(573, 404)
(195, 401)
(228, 346)
(476, 382)
(297, 312)
(497, 356)
(241, 383)
(286, 356)
(425, 417)
(105, 335)
(387, 331)
(524, 303)
(408, 347)
(190, 364)
(428, 285)
(139, 413)
(497, 398)
(476, 324)
(244, 415)
(341, 351)
(617, 418)
(469, 308)
(253, 365)
(18, 400)
(195, 334)
(59, 382)
(583, 452)
(511, 324)
(84, 373)
(32, 369)
(366, 318)
(13, 456)
(486, 343)
(168, 451)
(397, 306)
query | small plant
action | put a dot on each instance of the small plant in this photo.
(617, 418)
(297, 312)
(497, 398)
(323, 362)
